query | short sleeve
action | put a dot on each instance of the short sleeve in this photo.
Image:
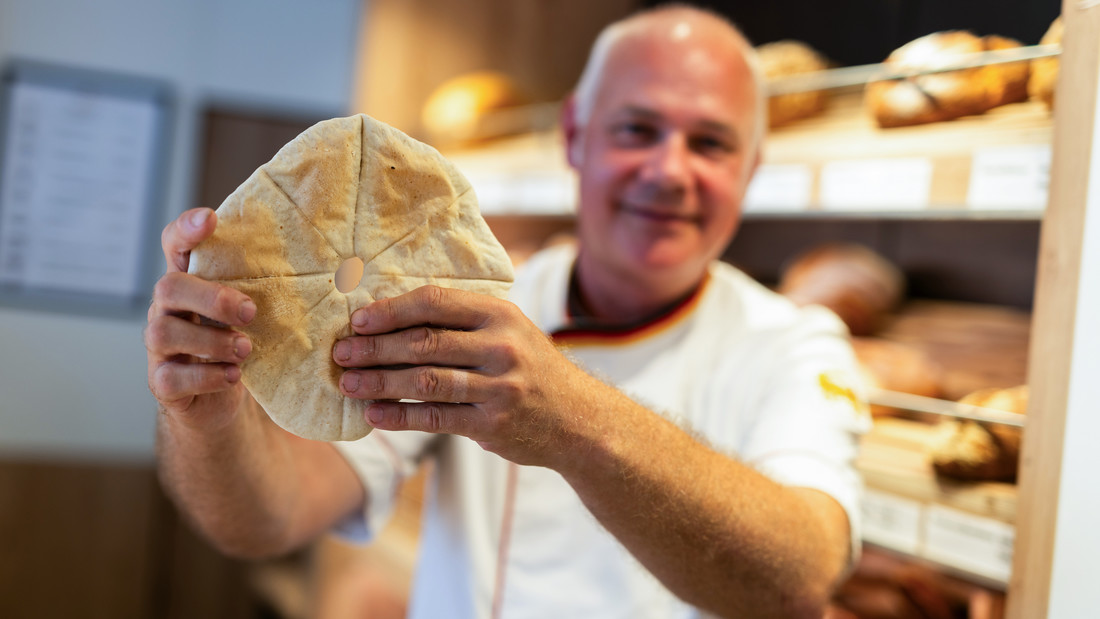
(382, 460)
(810, 412)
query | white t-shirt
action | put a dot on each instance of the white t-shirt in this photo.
(766, 382)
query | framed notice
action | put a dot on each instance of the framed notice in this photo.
(82, 168)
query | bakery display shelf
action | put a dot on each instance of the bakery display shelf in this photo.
(838, 163)
(965, 528)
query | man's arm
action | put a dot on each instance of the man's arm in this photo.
(715, 532)
(251, 487)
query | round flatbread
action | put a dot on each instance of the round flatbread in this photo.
(344, 188)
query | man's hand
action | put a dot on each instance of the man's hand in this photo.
(479, 368)
(194, 370)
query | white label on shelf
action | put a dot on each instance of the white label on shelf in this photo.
(491, 191)
(979, 545)
(876, 184)
(535, 192)
(546, 192)
(780, 187)
(892, 521)
(1009, 177)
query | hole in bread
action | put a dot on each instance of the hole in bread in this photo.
(349, 274)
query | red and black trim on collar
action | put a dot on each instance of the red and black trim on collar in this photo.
(583, 330)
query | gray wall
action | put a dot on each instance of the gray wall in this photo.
(74, 386)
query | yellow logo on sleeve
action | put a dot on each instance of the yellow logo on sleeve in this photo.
(834, 388)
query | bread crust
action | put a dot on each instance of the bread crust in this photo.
(937, 97)
(347, 187)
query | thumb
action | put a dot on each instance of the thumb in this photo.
(184, 234)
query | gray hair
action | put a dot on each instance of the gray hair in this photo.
(584, 95)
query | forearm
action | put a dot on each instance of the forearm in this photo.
(714, 531)
(241, 485)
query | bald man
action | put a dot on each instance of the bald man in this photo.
(682, 444)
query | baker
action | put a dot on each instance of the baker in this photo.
(681, 445)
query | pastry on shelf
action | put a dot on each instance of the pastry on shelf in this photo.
(935, 97)
(1044, 71)
(852, 280)
(460, 110)
(785, 59)
(981, 451)
(895, 366)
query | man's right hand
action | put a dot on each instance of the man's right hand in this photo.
(194, 366)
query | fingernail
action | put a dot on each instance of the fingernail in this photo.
(343, 351)
(350, 381)
(232, 374)
(247, 311)
(242, 347)
(374, 414)
(198, 218)
(359, 318)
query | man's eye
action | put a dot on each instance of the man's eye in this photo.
(634, 133)
(710, 144)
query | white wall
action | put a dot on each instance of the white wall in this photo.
(73, 386)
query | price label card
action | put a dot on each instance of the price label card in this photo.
(892, 521)
(1016, 177)
(876, 184)
(546, 192)
(979, 545)
(779, 188)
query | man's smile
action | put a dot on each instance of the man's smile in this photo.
(659, 215)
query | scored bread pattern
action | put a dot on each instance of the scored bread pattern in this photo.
(345, 187)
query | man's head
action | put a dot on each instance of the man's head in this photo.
(664, 130)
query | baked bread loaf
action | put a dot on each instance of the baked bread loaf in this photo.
(895, 366)
(784, 59)
(456, 111)
(937, 97)
(979, 451)
(1044, 71)
(345, 188)
(859, 285)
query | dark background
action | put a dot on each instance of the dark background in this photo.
(852, 32)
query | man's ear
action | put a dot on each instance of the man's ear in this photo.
(572, 132)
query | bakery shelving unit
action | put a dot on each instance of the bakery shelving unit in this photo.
(1014, 163)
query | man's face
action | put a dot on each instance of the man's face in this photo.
(665, 159)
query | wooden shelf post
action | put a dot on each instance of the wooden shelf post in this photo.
(1057, 539)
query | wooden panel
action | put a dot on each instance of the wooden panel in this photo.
(235, 143)
(409, 47)
(1055, 343)
(99, 540)
(78, 541)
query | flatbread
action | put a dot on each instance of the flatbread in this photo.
(347, 187)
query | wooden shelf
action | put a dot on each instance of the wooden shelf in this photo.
(965, 528)
(839, 163)
(968, 528)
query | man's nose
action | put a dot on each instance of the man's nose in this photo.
(668, 164)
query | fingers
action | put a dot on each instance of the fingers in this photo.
(461, 419)
(425, 383)
(169, 336)
(184, 234)
(174, 381)
(415, 346)
(180, 292)
(427, 305)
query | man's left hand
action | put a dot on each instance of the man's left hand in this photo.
(476, 367)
